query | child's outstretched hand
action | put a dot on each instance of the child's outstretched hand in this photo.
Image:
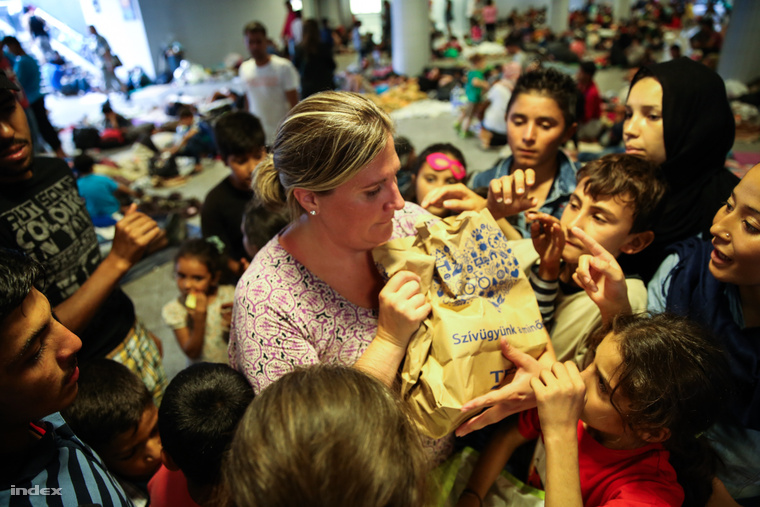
(549, 241)
(513, 397)
(508, 195)
(456, 197)
(600, 275)
(560, 397)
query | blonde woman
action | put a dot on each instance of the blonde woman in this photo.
(313, 294)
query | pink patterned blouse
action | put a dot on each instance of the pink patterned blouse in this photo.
(284, 317)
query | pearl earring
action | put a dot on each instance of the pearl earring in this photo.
(312, 212)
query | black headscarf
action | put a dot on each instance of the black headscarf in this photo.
(699, 131)
(697, 119)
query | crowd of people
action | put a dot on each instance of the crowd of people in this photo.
(642, 263)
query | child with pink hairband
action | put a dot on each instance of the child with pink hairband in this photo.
(438, 165)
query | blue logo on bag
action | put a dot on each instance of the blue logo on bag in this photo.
(483, 266)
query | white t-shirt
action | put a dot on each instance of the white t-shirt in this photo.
(265, 87)
(296, 30)
(494, 117)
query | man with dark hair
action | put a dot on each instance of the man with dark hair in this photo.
(240, 142)
(39, 454)
(271, 81)
(42, 213)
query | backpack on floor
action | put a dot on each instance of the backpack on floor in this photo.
(85, 138)
(163, 165)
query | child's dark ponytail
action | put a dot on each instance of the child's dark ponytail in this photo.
(676, 380)
(695, 462)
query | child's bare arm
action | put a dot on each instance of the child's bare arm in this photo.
(560, 397)
(600, 275)
(480, 83)
(512, 397)
(491, 462)
(191, 338)
(123, 189)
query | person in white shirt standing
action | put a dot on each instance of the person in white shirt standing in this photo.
(271, 81)
(493, 130)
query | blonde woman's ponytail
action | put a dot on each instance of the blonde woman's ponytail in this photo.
(267, 187)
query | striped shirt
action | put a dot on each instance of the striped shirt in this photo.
(546, 293)
(61, 470)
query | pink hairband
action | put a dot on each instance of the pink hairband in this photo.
(440, 162)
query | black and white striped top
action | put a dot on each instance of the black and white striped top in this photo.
(61, 470)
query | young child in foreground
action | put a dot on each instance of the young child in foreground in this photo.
(114, 414)
(627, 428)
(197, 420)
(200, 316)
(326, 435)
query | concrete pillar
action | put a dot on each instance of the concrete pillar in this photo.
(461, 21)
(739, 57)
(310, 9)
(558, 16)
(330, 9)
(410, 36)
(344, 8)
(621, 9)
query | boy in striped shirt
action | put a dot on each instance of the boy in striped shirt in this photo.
(39, 454)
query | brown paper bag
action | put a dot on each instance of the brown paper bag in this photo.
(478, 294)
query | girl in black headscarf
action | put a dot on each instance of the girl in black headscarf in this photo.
(678, 116)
